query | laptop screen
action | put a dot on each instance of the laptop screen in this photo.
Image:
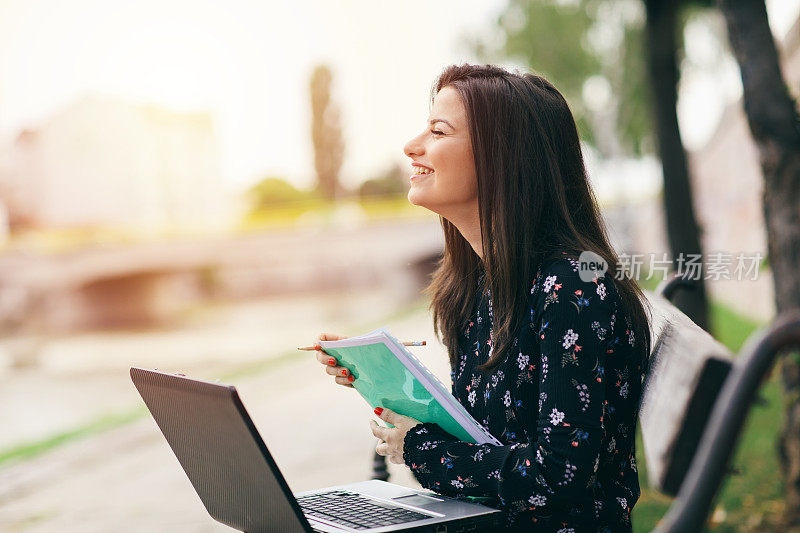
(216, 443)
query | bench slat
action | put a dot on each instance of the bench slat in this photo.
(686, 372)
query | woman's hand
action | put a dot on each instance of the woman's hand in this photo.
(342, 375)
(393, 439)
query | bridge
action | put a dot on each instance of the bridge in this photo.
(124, 285)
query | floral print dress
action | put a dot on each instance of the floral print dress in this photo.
(564, 405)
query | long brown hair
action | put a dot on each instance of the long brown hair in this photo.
(534, 201)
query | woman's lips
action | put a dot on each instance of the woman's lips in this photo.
(420, 170)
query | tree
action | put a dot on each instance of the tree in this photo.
(273, 192)
(393, 181)
(683, 232)
(774, 123)
(326, 133)
(615, 62)
(584, 47)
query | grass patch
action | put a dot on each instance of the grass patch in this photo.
(752, 499)
(32, 449)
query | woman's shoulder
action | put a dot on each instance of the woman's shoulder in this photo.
(561, 260)
(563, 263)
(562, 272)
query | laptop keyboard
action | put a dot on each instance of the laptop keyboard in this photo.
(355, 511)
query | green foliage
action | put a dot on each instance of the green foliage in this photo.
(559, 40)
(635, 123)
(763, 266)
(393, 182)
(272, 192)
(551, 41)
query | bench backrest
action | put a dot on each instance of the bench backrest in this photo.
(686, 372)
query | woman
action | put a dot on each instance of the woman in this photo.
(546, 358)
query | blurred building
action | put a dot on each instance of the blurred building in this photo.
(728, 188)
(103, 161)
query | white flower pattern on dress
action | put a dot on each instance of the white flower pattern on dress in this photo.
(583, 395)
(569, 339)
(601, 291)
(556, 417)
(537, 500)
(562, 434)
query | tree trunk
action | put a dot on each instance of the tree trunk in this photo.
(682, 228)
(773, 121)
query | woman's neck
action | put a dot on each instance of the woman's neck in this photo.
(469, 225)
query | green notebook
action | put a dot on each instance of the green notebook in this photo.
(388, 375)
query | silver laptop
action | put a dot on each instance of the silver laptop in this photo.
(227, 462)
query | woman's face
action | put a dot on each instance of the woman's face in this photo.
(444, 178)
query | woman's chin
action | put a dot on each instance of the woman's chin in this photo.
(415, 198)
(420, 202)
(418, 198)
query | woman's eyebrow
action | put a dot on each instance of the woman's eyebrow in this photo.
(435, 120)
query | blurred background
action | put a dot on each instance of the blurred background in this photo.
(202, 187)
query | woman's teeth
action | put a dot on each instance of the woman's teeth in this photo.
(422, 170)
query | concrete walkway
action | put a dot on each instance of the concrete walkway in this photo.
(128, 480)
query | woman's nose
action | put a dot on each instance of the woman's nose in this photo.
(414, 147)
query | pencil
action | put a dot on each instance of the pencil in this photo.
(406, 343)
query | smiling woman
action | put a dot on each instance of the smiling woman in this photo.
(549, 360)
(444, 178)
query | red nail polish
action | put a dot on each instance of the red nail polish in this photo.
(332, 361)
(351, 378)
(378, 411)
(344, 371)
(317, 347)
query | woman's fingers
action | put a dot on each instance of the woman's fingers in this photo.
(385, 449)
(344, 381)
(382, 448)
(329, 337)
(337, 371)
(395, 419)
(324, 358)
(381, 432)
(342, 375)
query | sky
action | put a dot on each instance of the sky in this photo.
(247, 62)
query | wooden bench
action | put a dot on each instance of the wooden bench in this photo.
(695, 401)
(687, 368)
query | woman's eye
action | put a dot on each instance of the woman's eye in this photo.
(437, 132)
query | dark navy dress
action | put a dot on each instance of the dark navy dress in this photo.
(564, 404)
